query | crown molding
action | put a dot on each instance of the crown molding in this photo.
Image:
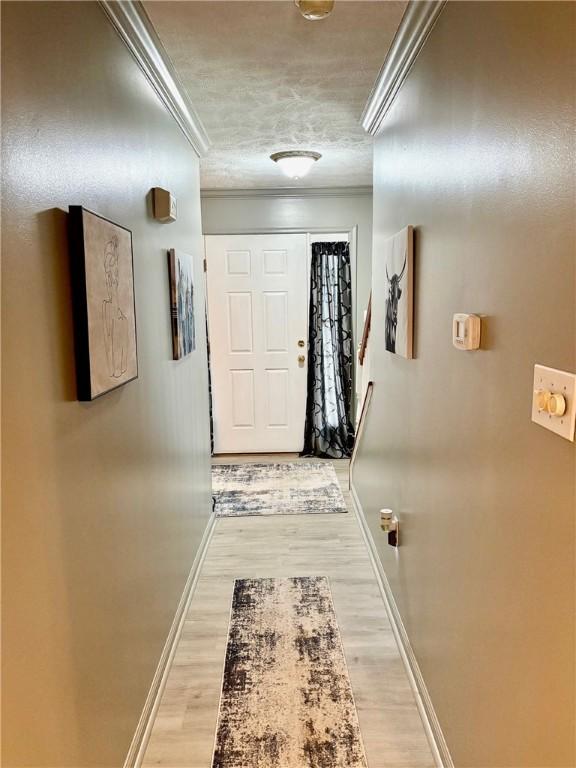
(416, 25)
(138, 34)
(288, 192)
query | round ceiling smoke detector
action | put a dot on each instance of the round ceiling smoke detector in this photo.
(315, 9)
(295, 163)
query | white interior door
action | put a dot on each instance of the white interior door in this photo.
(258, 330)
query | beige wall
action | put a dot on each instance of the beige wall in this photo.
(226, 215)
(477, 153)
(104, 503)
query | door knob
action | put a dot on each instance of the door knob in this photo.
(301, 343)
(301, 359)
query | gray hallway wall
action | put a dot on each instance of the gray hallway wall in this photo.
(104, 503)
(477, 154)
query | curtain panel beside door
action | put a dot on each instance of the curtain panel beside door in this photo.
(329, 432)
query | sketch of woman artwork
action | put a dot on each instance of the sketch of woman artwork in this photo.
(114, 321)
(102, 273)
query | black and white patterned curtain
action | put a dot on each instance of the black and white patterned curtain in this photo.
(329, 431)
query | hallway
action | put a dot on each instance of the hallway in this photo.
(289, 545)
(263, 229)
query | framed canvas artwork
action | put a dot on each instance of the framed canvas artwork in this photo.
(181, 270)
(102, 271)
(399, 268)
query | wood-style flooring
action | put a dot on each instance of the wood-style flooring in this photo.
(293, 545)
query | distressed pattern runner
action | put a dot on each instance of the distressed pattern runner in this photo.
(286, 698)
(276, 489)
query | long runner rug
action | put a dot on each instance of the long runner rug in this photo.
(291, 488)
(286, 699)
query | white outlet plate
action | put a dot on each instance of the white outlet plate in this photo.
(557, 382)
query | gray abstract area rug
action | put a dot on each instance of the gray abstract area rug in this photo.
(286, 698)
(292, 488)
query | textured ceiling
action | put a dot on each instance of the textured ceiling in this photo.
(263, 79)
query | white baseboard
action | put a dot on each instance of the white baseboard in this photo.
(144, 728)
(424, 702)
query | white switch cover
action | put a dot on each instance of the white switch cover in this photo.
(555, 382)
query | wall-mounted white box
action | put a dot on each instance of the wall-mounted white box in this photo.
(551, 388)
(466, 330)
(165, 205)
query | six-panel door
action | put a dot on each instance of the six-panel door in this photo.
(258, 326)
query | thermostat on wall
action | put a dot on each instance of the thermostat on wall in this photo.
(165, 206)
(466, 331)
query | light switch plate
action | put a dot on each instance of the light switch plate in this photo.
(556, 382)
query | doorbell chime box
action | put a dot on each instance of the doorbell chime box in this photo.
(165, 206)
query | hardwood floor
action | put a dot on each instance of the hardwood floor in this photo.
(292, 545)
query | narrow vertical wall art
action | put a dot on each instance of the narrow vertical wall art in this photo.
(102, 271)
(399, 268)
(181, 270)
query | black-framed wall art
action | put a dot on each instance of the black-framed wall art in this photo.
(102, 271)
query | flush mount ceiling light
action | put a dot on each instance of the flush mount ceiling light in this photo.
(315, 9)
(296, 163)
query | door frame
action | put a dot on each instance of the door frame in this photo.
(351, 231)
